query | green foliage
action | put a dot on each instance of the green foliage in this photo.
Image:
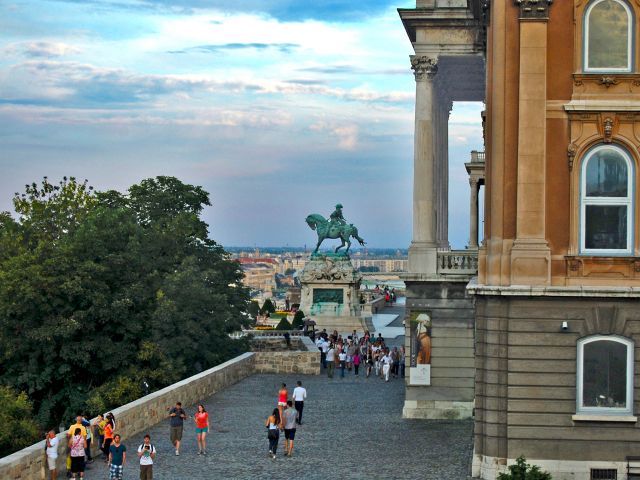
(298, 320)
(267, 307)
(105, 290)
(523, 471)
(253, 309)
(283, 325)
(18, 428)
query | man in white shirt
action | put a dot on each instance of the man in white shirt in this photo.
(330, 361)
(386, 365)
(146, 453)
(299, 395)
(52, 453)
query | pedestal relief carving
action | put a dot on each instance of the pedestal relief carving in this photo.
(534, 9)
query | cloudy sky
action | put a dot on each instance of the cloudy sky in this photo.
(278, 108)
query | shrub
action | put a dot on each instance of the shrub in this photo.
(284, 325)
(523, 471)
(298, 320)
(18, 429)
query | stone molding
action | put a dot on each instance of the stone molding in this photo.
(553, 291)
(534, 9)
(424, 67)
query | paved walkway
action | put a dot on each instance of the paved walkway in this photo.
(352, 430)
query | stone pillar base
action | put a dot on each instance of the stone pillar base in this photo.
(530, 262)
(437, 409)
(423, 259)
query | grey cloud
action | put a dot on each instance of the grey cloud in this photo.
(217, 48)
(41, 49)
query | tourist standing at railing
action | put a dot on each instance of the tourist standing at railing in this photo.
(52, 453)
(108, 437)
(98, 430)
(77, 445)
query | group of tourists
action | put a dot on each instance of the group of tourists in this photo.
(366, 352)
(285, 417)
(101, 433)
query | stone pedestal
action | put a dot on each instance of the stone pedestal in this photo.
(331, 293)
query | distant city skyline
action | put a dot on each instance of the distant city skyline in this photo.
(278, 109)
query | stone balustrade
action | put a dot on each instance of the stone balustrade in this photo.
(458, 263)
(139, 415)
(373, 306)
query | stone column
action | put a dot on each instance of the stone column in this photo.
(531, 256)
(473, 221)
(423, 249)
(441, 176)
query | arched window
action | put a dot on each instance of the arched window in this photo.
(605, 375)
(606, 202)
(608, 37)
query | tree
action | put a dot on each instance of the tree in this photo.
(298, 320)
(106, 289)
(267, 307)
(253, 309)
(283, 325)
(521, 470)
(18, 429)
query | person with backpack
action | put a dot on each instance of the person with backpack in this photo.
(146, 454)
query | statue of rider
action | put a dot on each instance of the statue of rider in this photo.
(336, 217)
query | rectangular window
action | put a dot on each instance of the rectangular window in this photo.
(328, 295)
(606, 227)
(605, 375)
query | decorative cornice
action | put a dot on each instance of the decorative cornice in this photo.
(424, 68)
(534, 9)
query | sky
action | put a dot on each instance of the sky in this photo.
(277, 108)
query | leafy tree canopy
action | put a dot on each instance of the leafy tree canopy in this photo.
(106, 290)
(18, 429)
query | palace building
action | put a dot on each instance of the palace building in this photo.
(537, 330)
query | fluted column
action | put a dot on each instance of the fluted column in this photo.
(473, 220)
(423, 249)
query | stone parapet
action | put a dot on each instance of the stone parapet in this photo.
(303, 363)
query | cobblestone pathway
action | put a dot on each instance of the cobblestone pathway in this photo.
(352, 430)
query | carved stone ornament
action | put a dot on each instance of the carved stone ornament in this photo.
(607, 129)
(329, 270)
(533, 9)
(424, 67)
(608, 81)
(572, 149)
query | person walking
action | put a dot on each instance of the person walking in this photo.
(176, 424)
(98, 430)
(402, 361)
(299, 396)
(77, 444)
(331, 365)
(146, 454)
(386, 365)
(395, 358)
(117, 458)
(369, 361)
(273, 424)
(342, 356)
(201, 419)
(52, 454)
(283, 396)
(356, 363)
(289, 422)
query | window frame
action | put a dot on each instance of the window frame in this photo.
(628, 201)
(628, 410)
(630, 41)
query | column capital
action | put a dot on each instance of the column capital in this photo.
(424, 68)
(533, 9)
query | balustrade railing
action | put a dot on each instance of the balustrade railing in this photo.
(458, 262)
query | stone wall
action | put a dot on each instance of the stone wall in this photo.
(303, 363)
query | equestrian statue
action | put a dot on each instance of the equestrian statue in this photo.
(335, 227)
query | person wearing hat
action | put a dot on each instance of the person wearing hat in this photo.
(336, 217)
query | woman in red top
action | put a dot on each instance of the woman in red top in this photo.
(202, 427)
(283, 396)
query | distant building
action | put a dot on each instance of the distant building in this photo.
(384, 265)
(259, 273)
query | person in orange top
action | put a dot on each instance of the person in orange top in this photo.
(202, 428)
(283, 396)
(108, 438)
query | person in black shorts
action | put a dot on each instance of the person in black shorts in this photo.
(290, 417)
